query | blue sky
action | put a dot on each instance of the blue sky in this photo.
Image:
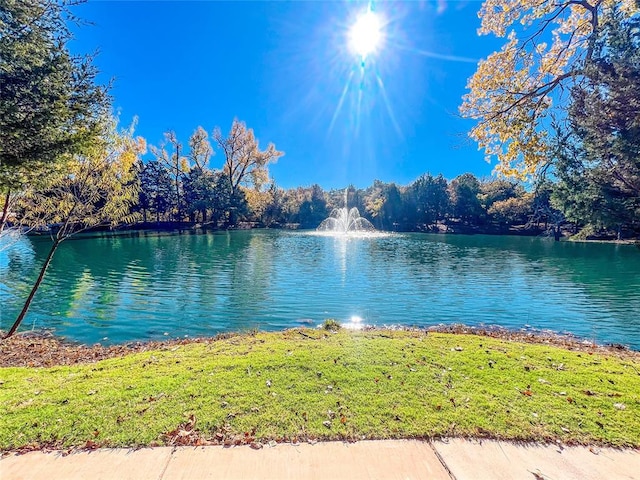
(286, 70)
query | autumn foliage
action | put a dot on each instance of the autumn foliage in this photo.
(516, 92)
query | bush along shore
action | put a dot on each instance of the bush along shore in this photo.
(310, 385)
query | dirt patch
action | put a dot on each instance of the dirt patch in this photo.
(43, 349)
(46, 350)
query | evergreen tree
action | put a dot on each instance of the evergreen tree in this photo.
(599, 159)
(50, 104)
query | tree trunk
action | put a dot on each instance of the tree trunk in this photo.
(32, 294)
(5, 211)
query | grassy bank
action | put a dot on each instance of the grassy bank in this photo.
(312, 384)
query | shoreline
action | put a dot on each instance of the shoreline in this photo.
(44, 349)
(198, 229)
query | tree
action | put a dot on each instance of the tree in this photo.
(175, 164)
(274, 211)
(542, 209)
(156, 189)
(515, 92)
(291, 201)
(265, 207)
(598, 161)
(97, 187)
(512, 210)
(244, 162)
(200, 150)
(431, 198)
(392, 214)
(496, 190)
(50, 105)
(313, 210)
(199, 192)
(464, 191)
(374, 201)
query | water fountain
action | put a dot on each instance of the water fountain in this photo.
(344, 220)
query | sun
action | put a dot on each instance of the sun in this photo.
(366, 34)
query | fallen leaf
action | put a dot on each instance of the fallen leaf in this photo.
(91, 445)
(327, 423)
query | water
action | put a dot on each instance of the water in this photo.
(343, 220)
(121, 289)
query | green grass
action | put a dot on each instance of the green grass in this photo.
(302, 384)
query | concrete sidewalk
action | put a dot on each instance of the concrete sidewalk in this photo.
(390, 459)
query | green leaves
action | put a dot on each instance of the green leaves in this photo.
(50, 104)
(598, 161)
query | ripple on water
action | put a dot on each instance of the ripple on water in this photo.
(141, 288)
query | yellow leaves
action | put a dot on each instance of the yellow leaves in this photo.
(243, 157)
(510, 92)
(628, 7)
(127, 158)
(257, 201)
(89, 189)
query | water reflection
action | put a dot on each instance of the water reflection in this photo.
(145, 286)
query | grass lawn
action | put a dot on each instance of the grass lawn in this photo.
(314, 384)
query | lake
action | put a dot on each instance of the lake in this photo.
(143, 287)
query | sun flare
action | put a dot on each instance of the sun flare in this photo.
(365, 36)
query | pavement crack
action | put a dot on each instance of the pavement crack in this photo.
(166, 464)
(442, 462)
